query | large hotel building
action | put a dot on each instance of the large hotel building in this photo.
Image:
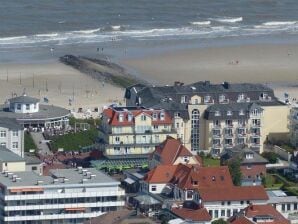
(65, 196)
(211, 117)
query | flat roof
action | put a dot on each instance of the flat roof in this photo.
(46, 112)
(278, 196)
(70, 176)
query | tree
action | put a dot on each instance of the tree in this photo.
(270, 156)
(219, 221)
(234, 168)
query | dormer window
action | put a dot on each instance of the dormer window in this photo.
(229, 113)
(129, 117)
(121, 117)
(217, 113)
(241, 97)
(154, 116)
(177, 114)
(222, 99)
(162, 116)
(207, 99)
(241, 112)
(249, 155)
(184, 99)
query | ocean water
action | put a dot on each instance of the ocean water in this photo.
(28, 26)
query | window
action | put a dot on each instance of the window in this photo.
(288, 207)
(196, 101)
(217, 113)
(295, 206)
(3, 144)
(117, 139)
(229, 113)
(162, 116)
(153, 188)
(241, 97)
(15, 145)
(189, 194)
(241, 202)
(34, 106)
(241, 112)
(229, 203)
(15, 133)
(143, 117)
(222, 203)
(27, 106)
(177, 125)
(177, 114)
(19, 106)
(207, 99)
(185, 159)
(222, 99)
(223, 213)
(211, 213)
(154, 116)
(2, 134)
(228, 213)
(195, 130)
(215, 213)
(184, 99)
(155, 127)
(283, 207)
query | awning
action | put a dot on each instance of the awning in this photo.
(75, 209)
(129, 180)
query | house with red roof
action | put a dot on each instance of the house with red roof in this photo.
(137, 131)
(258, 214)
(205, 187)
(173, 152)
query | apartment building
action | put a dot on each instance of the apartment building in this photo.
(294, 127)
(12, 135)
(187, 104)
(134, 130)
(66, 196)
(229, 125)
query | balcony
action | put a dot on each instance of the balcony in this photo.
(229, 135)
(224, 101)
(216, 127)
(216, 146)
(229, 146)
(241, 135)
(229, 125)
(255, 134)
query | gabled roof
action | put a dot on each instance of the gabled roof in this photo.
(234, 193)
(240, 220)
(254, 211)
(240, 152)
(129, 113)
(169, 150)
(192, 214)
(191, 177)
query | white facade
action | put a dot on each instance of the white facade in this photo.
(12, 140)
(24, 107)
(59, 200)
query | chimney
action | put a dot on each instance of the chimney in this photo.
(226, 85)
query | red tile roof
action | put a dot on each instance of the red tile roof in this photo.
(191, 214)
(240, 220)
(113, 115)
(170, 150)
(161, 174)
(234, 193)
(265, 210)
(191, 177)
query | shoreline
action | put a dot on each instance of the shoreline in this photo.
(262, 63)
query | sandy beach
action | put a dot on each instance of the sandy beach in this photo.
(58, 83)
(255, 63)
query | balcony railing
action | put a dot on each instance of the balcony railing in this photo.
(228, 146)
(241, 135)
(216, 146)
(216, 127)
(229, 135)
(228, 125)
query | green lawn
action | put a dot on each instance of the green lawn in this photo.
(28, 142)
(271, 182)
(208, 161)
(74, 141)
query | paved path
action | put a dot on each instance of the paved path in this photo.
(42, 147)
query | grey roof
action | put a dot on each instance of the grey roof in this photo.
(239, 152)
(278, 196)
(23, 99)
(72, 176)
(10, 123)
(153, 96)
(46, 112)
(31, 159)
(235, 108)
(9, 156)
